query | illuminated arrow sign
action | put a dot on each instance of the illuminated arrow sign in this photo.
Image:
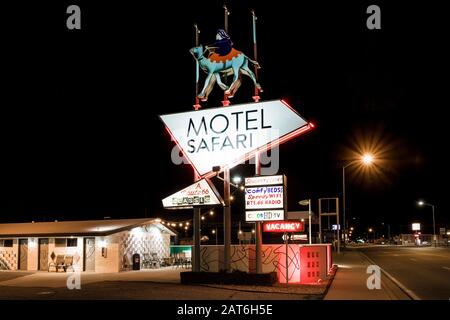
(228, 136)
(201, 193)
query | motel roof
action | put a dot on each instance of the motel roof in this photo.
(76, 228)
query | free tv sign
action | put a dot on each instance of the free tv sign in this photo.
(227, 136)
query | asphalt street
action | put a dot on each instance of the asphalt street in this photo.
(423, 270)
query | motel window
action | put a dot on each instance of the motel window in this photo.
(66, 242)
(6, 243)
(72, 242)
(60, 242)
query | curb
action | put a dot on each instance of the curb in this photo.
(330, 281)
(403, 288)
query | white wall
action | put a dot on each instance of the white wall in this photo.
(110, 263)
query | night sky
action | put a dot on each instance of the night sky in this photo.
(81, 137)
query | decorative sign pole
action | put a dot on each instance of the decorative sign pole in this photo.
(197, 70)
(197, 211)
(258, 231)
(256, 97)
(225, 101)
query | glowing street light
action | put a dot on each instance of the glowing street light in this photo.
(366, 159)
(422, 203)
(211, 213)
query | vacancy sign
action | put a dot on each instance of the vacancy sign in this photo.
(283, 226)
(227, 136)
(201, 193)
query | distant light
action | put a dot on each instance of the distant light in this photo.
(370, 229)
(240, 231)
(231, 198)
(174, 225)
(187, 223)
(211, 213)
(203, 218)
(158, 220)
(186, 228)
(253, 231)
(367, 159)
(420, 203)
(214, 231)
(242, 188)
(302, 220)
(163, 222)
(352, 228)
(180, 224)
(237, 179)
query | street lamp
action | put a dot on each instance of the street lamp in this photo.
(367, 159)
(307, 203)
(237, 179)
(422, 203)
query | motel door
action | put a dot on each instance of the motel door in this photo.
(23, 254)
(89, 254)
(43, 254)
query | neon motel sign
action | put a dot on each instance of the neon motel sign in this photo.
(283, 226)
(228, 136)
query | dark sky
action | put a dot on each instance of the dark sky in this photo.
(81, 137)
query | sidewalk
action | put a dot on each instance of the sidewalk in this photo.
(350, 282)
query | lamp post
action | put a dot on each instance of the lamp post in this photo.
(422, 203)
(308, 203)
(366, 159)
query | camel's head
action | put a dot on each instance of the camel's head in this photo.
(197, 52)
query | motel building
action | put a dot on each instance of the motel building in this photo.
(97, 246)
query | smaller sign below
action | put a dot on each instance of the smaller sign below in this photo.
(283, 226)
(264, 180)
(295, 237)
(416, 226)
(201, 193)
(264, 215)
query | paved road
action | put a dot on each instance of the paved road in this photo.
(144, 284)
(423, 270)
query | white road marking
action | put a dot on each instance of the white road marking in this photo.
(446, 268)
(412, 259)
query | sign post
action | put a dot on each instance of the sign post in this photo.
(227, 221)
(258, 235)
(287, 258)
